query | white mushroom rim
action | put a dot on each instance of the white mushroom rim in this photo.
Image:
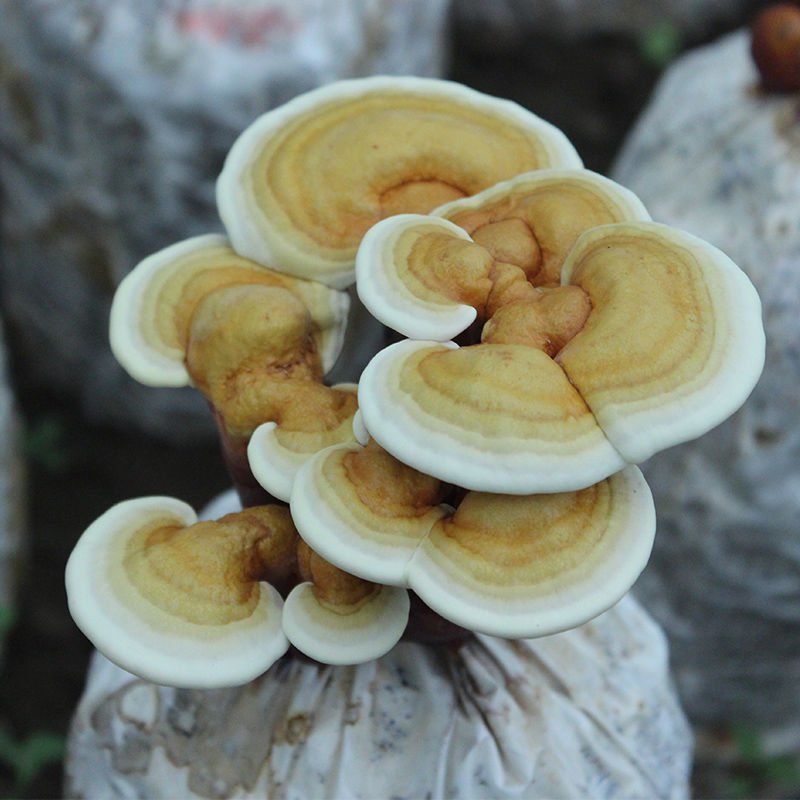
(142, 637)
(510, 566)
(330, 160)
(144, 336)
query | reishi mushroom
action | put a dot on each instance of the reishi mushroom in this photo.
(254, 341)
(492, 479)
(606, 342)
(197, 604)
(304, 182)
(338, 618)
(506, 565)
(181, 602)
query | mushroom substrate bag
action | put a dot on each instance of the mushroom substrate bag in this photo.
(588, 713)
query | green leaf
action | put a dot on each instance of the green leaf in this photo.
(8, 618)
(44, 444)
(39, 750)
(739, 787)
(784, 771)
(748, 743)
(660, 43)
(28, 758)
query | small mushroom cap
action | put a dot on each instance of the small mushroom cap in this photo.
(675, 343)
(275, 454)
(499, 418)
(364, 511)
(158, 641)
(304, 182)
(345, 635)
(521, 567)
(401, 298)
(153, 306)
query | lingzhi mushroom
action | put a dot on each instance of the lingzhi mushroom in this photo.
(602, 337)
(491, 477)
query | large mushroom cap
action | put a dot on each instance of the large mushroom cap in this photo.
(675, 343)
(153, 306)
(489, 418)
(304, 182)
(529, 566)
(175, 601)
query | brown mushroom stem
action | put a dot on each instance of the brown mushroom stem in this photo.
(234, 455)
(428, 627)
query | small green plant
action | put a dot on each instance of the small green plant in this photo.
(660, 42)
(44, 443)
(27, 758)
(757, 772)
(8, 618)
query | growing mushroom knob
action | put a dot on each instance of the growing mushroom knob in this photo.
(337, 618)
(256, 342)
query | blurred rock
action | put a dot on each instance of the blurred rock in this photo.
(587, 713)
(714, 155)
(115, 119)
(497, 24)
(12, 498)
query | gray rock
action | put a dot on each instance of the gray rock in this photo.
(587, 713)
(12, 497)
(114, 123)
(715, 156)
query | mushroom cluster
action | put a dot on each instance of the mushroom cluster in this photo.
(549, 337)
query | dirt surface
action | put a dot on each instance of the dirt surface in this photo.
(594, 95)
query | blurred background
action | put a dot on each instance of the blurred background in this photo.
(115, 118)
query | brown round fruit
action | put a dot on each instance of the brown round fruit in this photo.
(775, 46)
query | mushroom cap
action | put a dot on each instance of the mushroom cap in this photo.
(345, 635)
(159, 642)
(305, 181)
(500, 418)
(520, 567)
(362, 526)
(153, 306)
(275, 455)
(675, 343)
(394, 294)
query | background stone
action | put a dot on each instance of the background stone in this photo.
(714, 155)
(115, 120)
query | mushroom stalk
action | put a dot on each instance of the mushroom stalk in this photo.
(234, 455)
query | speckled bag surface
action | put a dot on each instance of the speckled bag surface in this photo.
(589, 713)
